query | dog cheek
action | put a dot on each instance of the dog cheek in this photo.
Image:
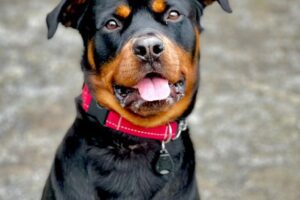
(103, 77)
(191, 68)
(101, 82)
(122, 69)
(170, 61)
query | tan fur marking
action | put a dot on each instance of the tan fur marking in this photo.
(159, 6)
(90, 54)
(197, 45)
(123, 11)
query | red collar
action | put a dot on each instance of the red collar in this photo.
(114, 121)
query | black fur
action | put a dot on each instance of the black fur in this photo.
(94, 162)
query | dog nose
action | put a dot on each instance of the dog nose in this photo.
(148, 48)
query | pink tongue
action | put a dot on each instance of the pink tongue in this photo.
(153, 89)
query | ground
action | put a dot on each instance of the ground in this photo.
(246, 125)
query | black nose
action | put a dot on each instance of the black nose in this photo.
(148, 48)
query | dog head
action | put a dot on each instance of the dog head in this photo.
(141, 56)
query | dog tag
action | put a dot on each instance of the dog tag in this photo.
(164, 164)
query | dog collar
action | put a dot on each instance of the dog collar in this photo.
(113, 120)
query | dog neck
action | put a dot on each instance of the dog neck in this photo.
(113, 120)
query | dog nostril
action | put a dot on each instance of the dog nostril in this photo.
(158, 49)
(140, 50)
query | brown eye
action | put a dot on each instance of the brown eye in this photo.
(112, 25)
(173, 15)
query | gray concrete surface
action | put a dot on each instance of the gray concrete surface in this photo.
(245, 126)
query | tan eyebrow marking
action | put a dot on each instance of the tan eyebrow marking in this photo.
(123, 11)
(159, 6)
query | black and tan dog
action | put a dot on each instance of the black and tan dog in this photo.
(140, 62)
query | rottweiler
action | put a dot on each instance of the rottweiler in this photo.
(130, 140)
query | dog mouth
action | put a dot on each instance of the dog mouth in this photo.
(150, 95)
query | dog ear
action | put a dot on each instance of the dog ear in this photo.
(67, 12)
(223, 3)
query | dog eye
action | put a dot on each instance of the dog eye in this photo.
(173, 15)
(112, 25)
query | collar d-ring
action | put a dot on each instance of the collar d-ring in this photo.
(182, 127)
(169, 134)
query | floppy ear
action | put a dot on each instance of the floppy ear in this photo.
(223, 3)
(67, 12)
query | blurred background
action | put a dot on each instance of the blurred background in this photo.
(246, 125)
